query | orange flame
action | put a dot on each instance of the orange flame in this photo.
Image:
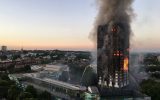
(125, 66)
(117, 53)
(114, 29)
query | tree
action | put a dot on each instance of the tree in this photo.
(4, 85)
(151, 88)
(82, 56)
(3, 92)
(14, 57)
(45, 96)
(37, 55)
(27, 68)
(13, 92)
(152, 68)
(11, 68)
(156, 75)
(4, 76)
(25, 95)
(3, 57)
(32, 90)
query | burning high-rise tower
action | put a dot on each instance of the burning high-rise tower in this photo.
(111, 35)
(113, 55)
(112, 32)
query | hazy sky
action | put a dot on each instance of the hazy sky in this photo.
(65, 24)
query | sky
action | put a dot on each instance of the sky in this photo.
(66, 24)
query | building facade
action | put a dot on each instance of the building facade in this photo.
(113, 55)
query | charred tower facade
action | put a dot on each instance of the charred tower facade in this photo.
(113, 55)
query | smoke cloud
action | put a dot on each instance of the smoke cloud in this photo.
(137, 70)
(109, 10)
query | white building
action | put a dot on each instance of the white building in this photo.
(36, 68)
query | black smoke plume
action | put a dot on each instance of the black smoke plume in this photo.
(112, 10)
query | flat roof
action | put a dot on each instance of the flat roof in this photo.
(58, 83)
(53, 67)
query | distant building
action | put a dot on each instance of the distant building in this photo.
(36, 68)
(54, 68)
(4, 48)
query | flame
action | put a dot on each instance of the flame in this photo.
(125, 66)
(114, 29)
(118, 53)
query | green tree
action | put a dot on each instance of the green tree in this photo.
(30, 99)
(14, 57)
(4, 76)
(45, 96)
(151, 88)
(4, 85)
(10, 68)
(82, 56)
(3, 92)
(3, 57)
(32, 90)
(25, 95)
(13, 92)
(27, 68)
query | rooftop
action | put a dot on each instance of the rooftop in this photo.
(56, 82)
